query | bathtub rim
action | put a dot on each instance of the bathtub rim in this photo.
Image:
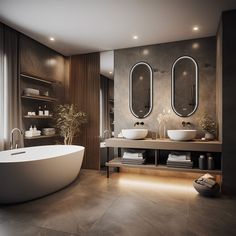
(81, 148)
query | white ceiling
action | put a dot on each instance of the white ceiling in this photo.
(82, 26)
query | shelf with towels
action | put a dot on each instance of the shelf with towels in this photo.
(38, 94)
(41, 136)
(116, 162)
(34, 78)
(161, 145)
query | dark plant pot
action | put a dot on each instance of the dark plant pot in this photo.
(205, 191)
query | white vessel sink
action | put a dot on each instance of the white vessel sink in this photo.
(134, 133)
(182, 134)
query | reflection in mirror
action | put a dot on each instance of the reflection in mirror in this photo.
(184, 89)
(140, 90)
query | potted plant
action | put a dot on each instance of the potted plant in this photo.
(68, 119)
(208, 125)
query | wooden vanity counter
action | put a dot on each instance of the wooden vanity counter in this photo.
(166, 144)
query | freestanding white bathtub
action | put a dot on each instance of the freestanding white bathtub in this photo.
(29, 173)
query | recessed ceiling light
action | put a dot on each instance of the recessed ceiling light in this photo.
(110, 72)
(135, 37)
(195, 28)
(52, 39)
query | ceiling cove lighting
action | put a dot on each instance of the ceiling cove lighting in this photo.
(195, 28)
(52, 39)
(135, 37)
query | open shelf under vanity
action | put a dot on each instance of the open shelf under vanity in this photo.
(116, 162)
(157, 146)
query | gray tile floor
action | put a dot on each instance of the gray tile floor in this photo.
(126, 204)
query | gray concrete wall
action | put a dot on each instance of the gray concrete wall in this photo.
(161, 58)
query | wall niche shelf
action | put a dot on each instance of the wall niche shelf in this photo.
(37, 79)
(160, 145)
(32, 103)
(39, 98)
(116, 162)
(38, 117)
(41, 137)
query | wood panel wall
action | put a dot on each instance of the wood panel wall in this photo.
(41, 61)
(84, 89)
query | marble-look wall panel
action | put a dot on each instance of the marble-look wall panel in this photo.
(161, 58)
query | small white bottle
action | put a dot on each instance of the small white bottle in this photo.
(46, 111)
(40, 111)
(31, 129)
(35, 128)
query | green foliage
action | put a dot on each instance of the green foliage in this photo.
(208, 124)
(68, 120)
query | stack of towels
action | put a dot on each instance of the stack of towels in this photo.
(206, 180)
(135, 158)
(32, 133)
(49, 131)
(179, 160)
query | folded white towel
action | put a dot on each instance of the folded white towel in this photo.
(32, 133)
(136, 154)
(177, 160)
(132, 155)
(179, 157)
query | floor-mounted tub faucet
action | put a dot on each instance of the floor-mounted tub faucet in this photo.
(12, 138)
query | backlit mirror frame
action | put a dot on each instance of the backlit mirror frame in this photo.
(173, 85)
(131, 93)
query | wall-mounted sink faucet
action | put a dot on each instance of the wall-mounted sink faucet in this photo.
(186, 124)
(12, 138)
(138, 123)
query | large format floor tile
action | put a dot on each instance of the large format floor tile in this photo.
(125, 204)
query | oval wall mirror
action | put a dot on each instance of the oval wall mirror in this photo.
(140, 90)
(184, 86)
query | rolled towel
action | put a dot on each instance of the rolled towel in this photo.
(207, 176)
(210, 183)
